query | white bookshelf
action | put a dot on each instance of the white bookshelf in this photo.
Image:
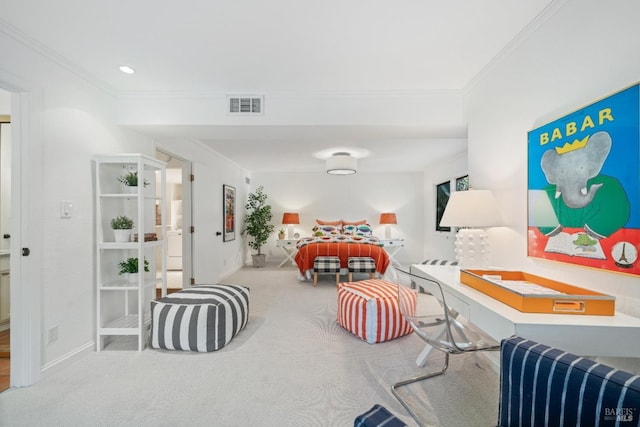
(122, 304)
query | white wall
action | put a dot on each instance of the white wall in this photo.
(585, 51)
(213, 258)
(439, 244)
(76, 121)
(352, 198)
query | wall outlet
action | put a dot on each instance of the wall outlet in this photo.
(52, 334)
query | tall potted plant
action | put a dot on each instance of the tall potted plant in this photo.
(257, 225)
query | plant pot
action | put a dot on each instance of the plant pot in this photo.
(133, 278)
(259, 260)
(132, 190)
(122, 236)
(281, 236)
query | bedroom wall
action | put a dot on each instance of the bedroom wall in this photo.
(212, 258)
(440, 244)
(77, 120)
(355, 197)
(584, 51)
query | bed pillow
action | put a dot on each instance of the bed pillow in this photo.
(334, 223)
(327, 230)
(358, 230)
(363, 222)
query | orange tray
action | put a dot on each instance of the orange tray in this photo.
(500, 285)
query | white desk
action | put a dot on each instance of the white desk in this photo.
(289, 248)
(608, 336)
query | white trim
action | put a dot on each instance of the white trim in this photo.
(26, 308)
(88, 346)
(187, 222)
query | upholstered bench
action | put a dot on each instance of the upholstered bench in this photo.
(325, 265)
(202, 318)
(541, 385)
(361, 265)
(369, 309)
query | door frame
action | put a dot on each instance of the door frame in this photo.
(187, 215)
(26, 232)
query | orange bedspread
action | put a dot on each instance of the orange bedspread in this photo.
(306, 254)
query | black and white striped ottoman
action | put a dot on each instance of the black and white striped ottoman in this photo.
(202, 318)
(357, 264)
(326, 264)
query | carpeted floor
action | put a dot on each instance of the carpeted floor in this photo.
(293, 365)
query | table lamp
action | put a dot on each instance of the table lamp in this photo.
(387, 219)
(470, 210)
(290, 218)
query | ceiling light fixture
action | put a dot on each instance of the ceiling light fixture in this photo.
(126, 69)
(342, 163)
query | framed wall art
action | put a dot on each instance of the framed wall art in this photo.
(229, 212)
(443, 193)
(584, 186)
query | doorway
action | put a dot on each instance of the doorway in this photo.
(178, 222)
(5, 235)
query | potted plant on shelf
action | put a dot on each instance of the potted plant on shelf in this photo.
(130, 267)
(130, 181)
(281, 234)
(257, 225)
(122, 226)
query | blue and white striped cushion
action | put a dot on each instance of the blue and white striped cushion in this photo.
(544, 386)
(203, 318)
(378, 416)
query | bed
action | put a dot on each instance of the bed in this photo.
(343, 240)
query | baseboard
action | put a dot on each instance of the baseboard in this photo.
(72, 354)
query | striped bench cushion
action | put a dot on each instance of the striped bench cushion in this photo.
(369, 310)
(326, 264)
(541, 385)
(203, 318)
(361, 265)
(439, 262)
(378, 416)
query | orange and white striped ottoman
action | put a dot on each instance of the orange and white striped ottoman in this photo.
(369, 310)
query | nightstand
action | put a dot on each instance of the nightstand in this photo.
(289, 248)
(392, 246)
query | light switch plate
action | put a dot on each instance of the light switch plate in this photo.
(66, 209)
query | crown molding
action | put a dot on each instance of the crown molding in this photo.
(549, 11)
(55, 57)
(204, 94)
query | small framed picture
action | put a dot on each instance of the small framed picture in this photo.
(229, 212)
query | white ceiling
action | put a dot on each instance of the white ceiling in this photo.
(254, 46)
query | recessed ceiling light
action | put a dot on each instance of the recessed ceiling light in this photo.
(127, 69)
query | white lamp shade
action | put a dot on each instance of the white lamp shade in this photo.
(471, 208)
(342, 164)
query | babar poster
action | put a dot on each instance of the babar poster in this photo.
(584, 186)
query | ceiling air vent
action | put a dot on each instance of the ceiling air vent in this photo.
(245, 104)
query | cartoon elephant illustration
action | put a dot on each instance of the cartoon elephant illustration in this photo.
(570, 171)
(580, 195)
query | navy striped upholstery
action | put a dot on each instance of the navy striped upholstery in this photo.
(378, 416)
(202, 318)
(439, 262)
(544, 386)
